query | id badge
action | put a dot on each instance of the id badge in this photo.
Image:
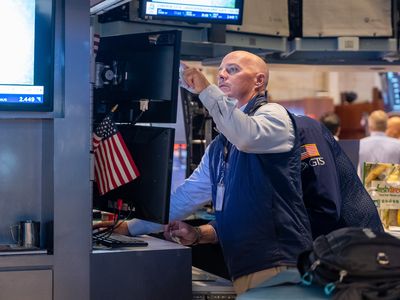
(220, 197)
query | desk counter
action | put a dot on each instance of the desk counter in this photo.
(161, 271)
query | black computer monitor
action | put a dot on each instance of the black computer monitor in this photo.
(148, 196)
(133, 67)
(223, 11)
(26, 55)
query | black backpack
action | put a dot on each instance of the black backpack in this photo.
(354, 263)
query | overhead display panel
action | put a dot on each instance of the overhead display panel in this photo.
(367, 18)
(204, 11)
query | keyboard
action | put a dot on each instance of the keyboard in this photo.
(118, 241)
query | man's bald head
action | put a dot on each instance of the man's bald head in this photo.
(254, 62)
(393, 127)
(377, 121)
(242, 75)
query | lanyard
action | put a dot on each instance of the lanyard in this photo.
(226, 150)
(219, 201)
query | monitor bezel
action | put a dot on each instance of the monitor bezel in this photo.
(43, 59)
(143, 15)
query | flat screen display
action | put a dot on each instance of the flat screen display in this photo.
(391, 90)
(26, 58)
(203, 11)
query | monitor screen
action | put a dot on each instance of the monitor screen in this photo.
(147, 197)
(26, 55)
(133, 67)
(391, 90)
(203, 11)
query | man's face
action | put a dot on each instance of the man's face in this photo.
(237, 77)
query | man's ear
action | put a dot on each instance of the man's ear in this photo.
(260, 80)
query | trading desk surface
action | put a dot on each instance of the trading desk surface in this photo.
(154, 244)
(160, 270)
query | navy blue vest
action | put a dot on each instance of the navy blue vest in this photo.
(263, 222)
(333, 194)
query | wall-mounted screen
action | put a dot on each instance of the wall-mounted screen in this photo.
(26, 55)
(391, 90)
(201, 11)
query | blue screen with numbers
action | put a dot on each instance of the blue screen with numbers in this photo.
(200, 11)
(26, 55)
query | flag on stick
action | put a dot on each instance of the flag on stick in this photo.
(113, 164)
(96, 43)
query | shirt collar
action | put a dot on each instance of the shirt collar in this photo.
(377, 133)
(243, 107)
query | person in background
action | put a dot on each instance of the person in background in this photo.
(393, 127)
(378, 147)
(332, 122)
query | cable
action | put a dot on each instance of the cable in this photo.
(137, 118)
(107, 232)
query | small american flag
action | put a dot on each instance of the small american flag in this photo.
(96, 42)
(309, 150)
(113, 164)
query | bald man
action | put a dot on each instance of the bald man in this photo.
(251, 171)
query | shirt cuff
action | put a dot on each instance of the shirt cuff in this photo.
(137, 227)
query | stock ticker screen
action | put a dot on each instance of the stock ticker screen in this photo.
(19, 84)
